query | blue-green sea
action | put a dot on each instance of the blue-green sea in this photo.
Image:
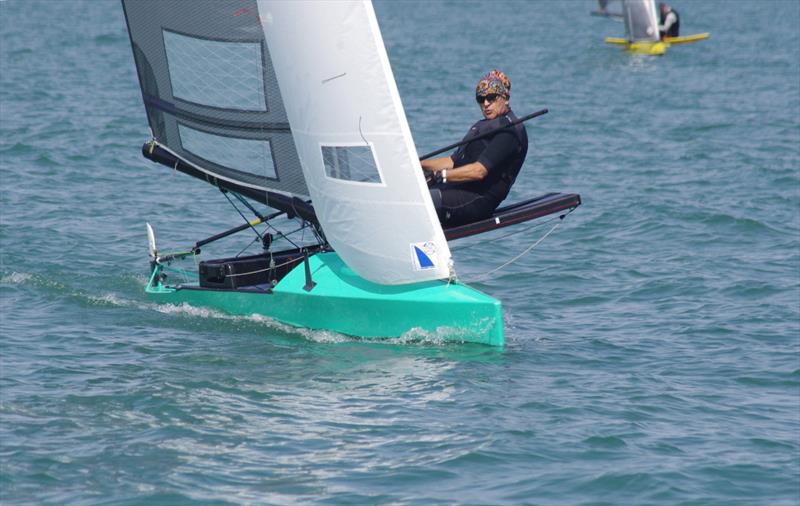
(653, 339)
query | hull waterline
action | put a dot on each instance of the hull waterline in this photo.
(343, 302)
(656, 48)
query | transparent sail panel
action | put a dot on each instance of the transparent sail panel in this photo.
(253, 156)
(351, 163)
(226, 75)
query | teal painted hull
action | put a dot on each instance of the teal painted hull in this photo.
(343, 302)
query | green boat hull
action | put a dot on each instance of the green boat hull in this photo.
(343, 302)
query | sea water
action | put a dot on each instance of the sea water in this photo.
(653, 339)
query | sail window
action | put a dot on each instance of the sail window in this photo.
(351, 163)
(226, 75)
(248, 155)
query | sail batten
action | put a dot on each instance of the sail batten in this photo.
(170, 108)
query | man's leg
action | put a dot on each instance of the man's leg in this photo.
(457, 207)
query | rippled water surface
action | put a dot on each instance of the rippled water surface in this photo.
(652, 340)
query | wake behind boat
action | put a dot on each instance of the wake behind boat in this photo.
(239, 95)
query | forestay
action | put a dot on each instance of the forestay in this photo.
(641, 22)
(353, 140)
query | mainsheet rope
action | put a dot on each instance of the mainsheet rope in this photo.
(280, 234)
(527, 250)
(521, 231)
(225, 193)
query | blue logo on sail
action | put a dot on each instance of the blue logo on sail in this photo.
(424, 255)
(424, 260)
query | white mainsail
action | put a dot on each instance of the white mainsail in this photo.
(641, 21)
(353, 140)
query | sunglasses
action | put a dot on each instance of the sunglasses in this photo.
(490, 97)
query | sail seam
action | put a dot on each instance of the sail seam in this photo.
(174, 110)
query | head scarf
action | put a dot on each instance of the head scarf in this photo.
(494, 82)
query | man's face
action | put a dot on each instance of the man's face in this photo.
(492, 105)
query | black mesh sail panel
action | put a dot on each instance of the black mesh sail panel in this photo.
(210, 90)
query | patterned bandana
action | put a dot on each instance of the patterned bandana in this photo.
(494, 82)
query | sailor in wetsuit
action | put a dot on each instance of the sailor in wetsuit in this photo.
(670, 21)
(470, 184)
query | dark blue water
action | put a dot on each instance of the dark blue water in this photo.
(653, 340)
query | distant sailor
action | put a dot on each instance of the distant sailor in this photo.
(670, 21)
(469, 184)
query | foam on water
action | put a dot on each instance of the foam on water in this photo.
(16, 278)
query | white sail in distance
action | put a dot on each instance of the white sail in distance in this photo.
(353, 140)
(641, 20)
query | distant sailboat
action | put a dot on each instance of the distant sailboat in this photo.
(603, 11)
(641, 28)
(294, 105)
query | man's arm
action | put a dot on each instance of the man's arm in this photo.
(668, 22)
(437, 164)
(469, 172)
(502, 146)
(444, 166)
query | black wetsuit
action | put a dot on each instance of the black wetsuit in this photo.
(502, 154)
(675, 28)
